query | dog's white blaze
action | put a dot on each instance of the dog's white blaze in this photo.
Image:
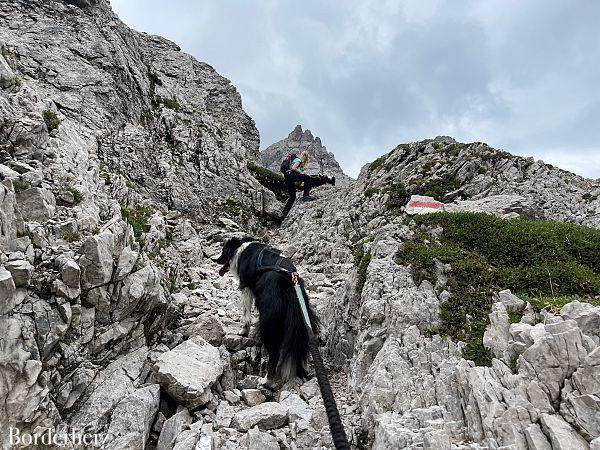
(247, 297)
(247, 301)
(233, 266)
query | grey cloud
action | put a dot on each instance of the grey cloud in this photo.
(366, 75)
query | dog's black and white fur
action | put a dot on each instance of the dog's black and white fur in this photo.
(281, 325)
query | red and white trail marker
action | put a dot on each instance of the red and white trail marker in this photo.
(420, 204)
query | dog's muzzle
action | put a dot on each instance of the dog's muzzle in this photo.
(223, 270)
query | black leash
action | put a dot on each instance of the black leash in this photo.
(340, 440)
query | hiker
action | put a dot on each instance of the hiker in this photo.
(293, 170)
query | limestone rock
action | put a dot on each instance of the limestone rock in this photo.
(9, 215)
(497, 334)
(253, 397)
(8, 297)
(266, 416)
(506, 206)
(21, 272)
(536, 439)
(586, 316)
(560, 433)
(437, 440)
(108, 388)
(556, 353)
(259, 440)
(189, 370)
(132, 418)
(173, 428)
(208, 328)
(36, 204)
(7, 76)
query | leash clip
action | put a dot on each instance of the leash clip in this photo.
(294, 277)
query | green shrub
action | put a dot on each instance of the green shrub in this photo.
(359, 252)
(547, 261)
(370, 192)
(361, 276)
(71, 236)
(171, 103)
(78, 197)
(138, 218)
(21, 185)
(273, 181)
(398, 196)
(377, 163)
(438, 187)
(51, 120)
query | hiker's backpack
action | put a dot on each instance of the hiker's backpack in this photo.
(287, 162)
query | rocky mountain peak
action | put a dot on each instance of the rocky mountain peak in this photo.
(449, 170)
(321, 160)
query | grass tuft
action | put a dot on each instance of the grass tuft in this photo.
(138, 218)
(51, 120)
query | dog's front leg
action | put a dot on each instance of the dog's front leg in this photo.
(247, 299)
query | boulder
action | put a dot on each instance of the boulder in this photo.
(298, 410)
(536, 439)
(8, 297)
(7, 76)
(7, 172)
(422, 204)
(510, 301)
(172, 427)
(21, 271)
(96, 262)
(207, 327)
(587, 317)
(189, 370)
(36, 204)
(224, 414)
(132, 418)
(258, 440)
(253, 397)
(265, 416)
(10, 218)
(70, 273)
(561, 434)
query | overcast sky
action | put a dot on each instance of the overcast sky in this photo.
(366, 75)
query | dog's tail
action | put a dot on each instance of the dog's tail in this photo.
(295, 348)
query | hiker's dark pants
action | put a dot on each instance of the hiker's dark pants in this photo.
(291, 177)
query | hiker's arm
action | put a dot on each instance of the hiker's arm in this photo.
(295, 167)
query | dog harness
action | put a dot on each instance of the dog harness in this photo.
(294, 278)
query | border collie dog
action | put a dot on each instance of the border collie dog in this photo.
(282, 328)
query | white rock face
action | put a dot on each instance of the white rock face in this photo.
(189, 370)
